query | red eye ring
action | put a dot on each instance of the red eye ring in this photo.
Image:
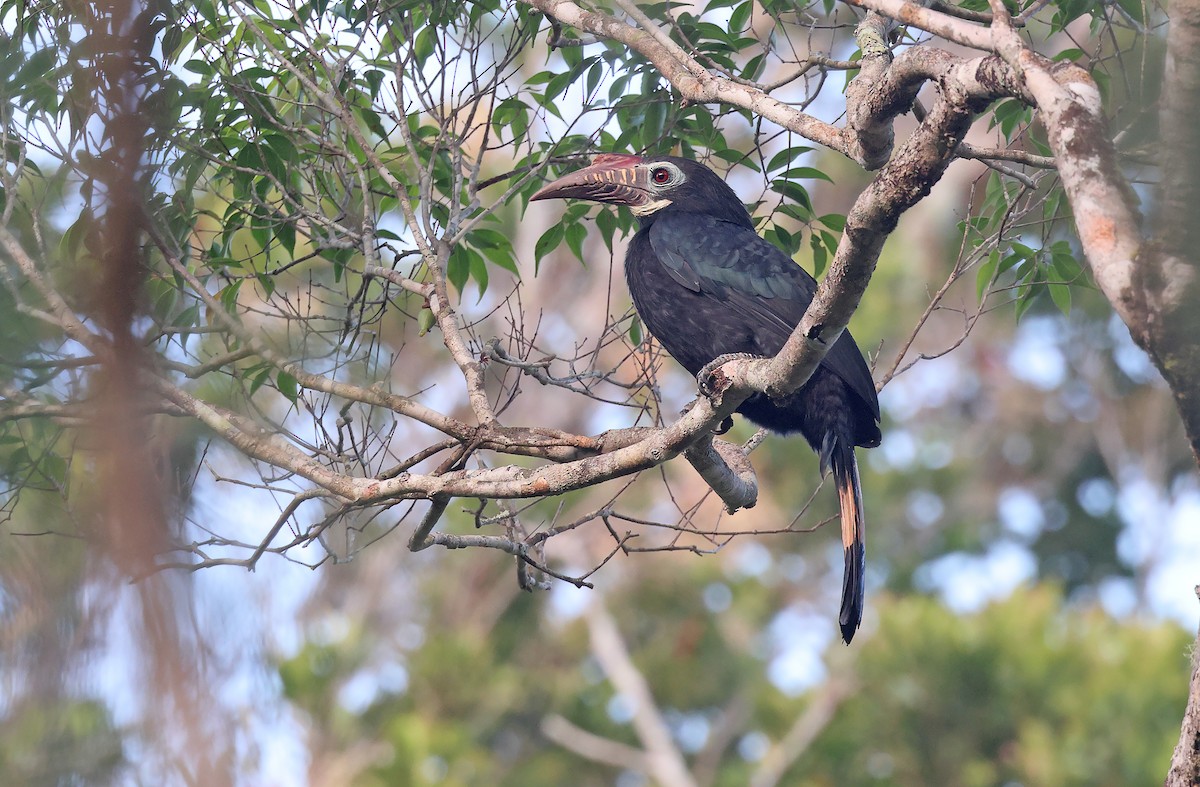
(660, 175)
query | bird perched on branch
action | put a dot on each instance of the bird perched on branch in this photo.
(708, 287)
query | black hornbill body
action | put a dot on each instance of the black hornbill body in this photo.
(706, 285)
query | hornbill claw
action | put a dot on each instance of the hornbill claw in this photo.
(704, 378)
(720, 428)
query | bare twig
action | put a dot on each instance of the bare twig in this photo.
(593, 747)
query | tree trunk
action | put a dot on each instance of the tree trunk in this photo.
(1171, 264)
(1185, 763)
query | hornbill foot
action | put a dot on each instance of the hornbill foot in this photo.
(720, 428)
(705, 377)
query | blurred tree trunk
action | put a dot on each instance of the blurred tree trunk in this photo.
(1174, 261)
(1169, 266)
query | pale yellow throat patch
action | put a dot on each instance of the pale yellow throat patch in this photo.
(653, 206)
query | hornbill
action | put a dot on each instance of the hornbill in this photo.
(707, 286)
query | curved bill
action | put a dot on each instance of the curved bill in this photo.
(613, 178)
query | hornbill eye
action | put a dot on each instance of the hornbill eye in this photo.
(660, 175)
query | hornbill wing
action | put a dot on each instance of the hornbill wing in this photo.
(752, 276)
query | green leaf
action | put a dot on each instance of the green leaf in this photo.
(1071, 54)
(810, 173)
(374, 79)
(267, 283)
(635, 331)
(793, 191)
(834, 221)
(171, 40)
(797, 212)
(1023, 251)
(734, 156)
(1024, 301)
(1061, 295)
(275, 165)
(576, 233)
(372, 121)
(496, 247)
(425, 321)
(284, 152)
(423, 44)
(1063, 262)
(595, 74)
(546, 244)
(606, 222)
(259, 378)
(198, 67)
(557, 84)
(1008, 115)
(820, 256)
(987, 273)
(831, 241)
(54, 468)
(479, 271)
(285, 235)
(73, 240)
(616, 90)
(741, 17)
(754, 67)
(188, 318)
(781, 238)
(1069, 11)
(37, 67)
(786, 157)
(654, 123)
(1135, 8)
(288, 386)
(1054, 200)
(511, 115)
(458, 268)
(229, 297)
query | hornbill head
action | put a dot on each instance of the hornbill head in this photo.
(650, 185)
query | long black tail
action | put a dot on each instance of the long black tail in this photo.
(854, 532)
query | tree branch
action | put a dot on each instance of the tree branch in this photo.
(906, 178)
(664, 762)
(942, 25)
(727, 471)
(1153, 286)
(594, 747)
(1185, 762)
(693, 82)
(880, 92)
(804, 730)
